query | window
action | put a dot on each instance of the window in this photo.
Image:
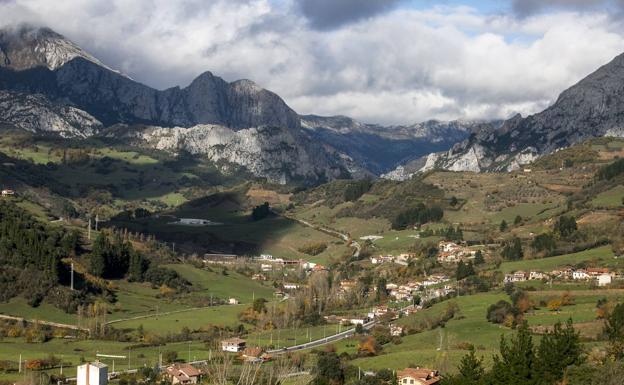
(411, 381)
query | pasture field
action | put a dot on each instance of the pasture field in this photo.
(293, 336)
(603, 255)
(222, 315)
(442, 347)
(612, 198)
(19, 307)
(232, 285)
(583, 309)
(138, 299)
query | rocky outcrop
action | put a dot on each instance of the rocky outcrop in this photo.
(36, 114)
(272, 152)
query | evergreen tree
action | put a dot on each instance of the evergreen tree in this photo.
(614, 329)
(328, 369)
(517, 220)
(479, 260)
(513, 250)
(503, 225)
(382, 291)
(464, 270)
(99, 253)
(565, 226)
(558, 349)
(470, 369)
(138, 265)
(516, 363)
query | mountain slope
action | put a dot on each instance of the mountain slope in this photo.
(49, 85)
(593, 107)
(380, 149)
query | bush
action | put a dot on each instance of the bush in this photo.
(313, 248)
(498, 312)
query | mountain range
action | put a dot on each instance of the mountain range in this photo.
(49, 85)
(594, 107)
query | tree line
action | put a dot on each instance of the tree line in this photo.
(31, 254)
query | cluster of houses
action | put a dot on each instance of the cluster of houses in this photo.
(7, 193)
(270, 263)
(401, 259)
(96, 373)
(187, 374)
(451, 252)
(406, 291)
(601, 275)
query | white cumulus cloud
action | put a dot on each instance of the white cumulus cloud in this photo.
(400, 65)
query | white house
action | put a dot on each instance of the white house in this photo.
(358, 320)
(233, 301)
(92, 373)
(418, 376)
(396, 330)
(291, 286)
(193, 222)
(604, 279)
(580, 274)
(233, 345)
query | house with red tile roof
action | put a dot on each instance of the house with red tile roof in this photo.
(418, 376)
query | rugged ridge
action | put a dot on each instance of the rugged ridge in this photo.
(593, 107)
(49, 85)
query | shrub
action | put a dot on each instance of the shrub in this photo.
(313, 248)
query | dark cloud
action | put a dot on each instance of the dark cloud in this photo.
(525, 8)
(330, 14)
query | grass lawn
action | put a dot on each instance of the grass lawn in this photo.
(600, 254)
(610, 198)
(223, 286)
(19, 307)
(291, 336)
(134, 299)
(224, 315)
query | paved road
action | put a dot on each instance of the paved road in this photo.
(322, 341)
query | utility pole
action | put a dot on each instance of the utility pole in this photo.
(72, 275)
(89, 229)
(173, 247)
(20, 364)
(97, 220)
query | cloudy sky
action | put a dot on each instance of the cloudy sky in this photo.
(380, 61)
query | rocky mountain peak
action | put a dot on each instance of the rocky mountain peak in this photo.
(25, 47)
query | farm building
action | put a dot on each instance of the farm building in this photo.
(233, 345)
(418, 376)
(92, 373)
(183, 374)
